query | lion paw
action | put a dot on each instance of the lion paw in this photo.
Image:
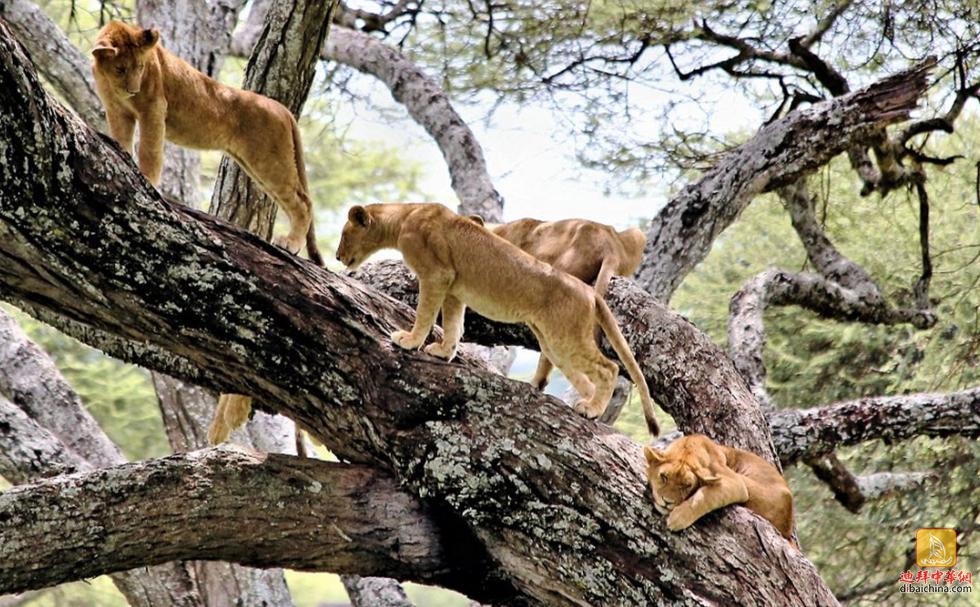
(441, 350)
(587, 409)
(293, 246)
(678, 520)
(405, 340)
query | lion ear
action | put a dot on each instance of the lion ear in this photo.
(101, 50)
(476, 219)
(654, 456)
(358, 215)
(149, 37)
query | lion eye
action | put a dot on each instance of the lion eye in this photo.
(120, 70)
(663, 477)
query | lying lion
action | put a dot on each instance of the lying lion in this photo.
(592, 252)
(139, 81)
(459, 264)
(695, 476)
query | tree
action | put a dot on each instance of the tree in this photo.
(419, 425)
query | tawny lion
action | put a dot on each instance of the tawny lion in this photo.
(592, 252)
(139, 81)
(459, 263)
(696, 475)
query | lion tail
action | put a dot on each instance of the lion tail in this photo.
(611, 328)
(311, 247)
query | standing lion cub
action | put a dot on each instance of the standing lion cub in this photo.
(139, 81)
(696, 475)
(459, 264)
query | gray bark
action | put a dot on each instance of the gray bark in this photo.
(45, 428)
(548, 494)
(32, 381)
(807, 433)
(681, 234)
(28, 451)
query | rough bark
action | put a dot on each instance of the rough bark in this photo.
(32, 381)
(807, 433)
(313, 515)
(60, 62)
(680, 235)
(548, 494)
(425, 101)
(28, 451)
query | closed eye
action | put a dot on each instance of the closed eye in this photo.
(120, 70)
(663, 477)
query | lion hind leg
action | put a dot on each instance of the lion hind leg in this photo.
(232, 412)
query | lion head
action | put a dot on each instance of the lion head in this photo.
(121, 52)
(677, 472)
(361, 237)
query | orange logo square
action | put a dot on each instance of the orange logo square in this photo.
(935, 547)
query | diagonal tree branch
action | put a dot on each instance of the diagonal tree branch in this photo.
(680, 236)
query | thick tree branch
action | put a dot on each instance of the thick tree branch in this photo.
(46, 430)
(257, 320)
(680, 236)
(313, 515)
(807, 433)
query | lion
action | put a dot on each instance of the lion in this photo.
(696, 475)
(459, 263)
(592, 252)
(139, 81)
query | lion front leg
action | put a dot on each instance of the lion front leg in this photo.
(432, 294)
(453, 311)
(717, 493)
(153, 128)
